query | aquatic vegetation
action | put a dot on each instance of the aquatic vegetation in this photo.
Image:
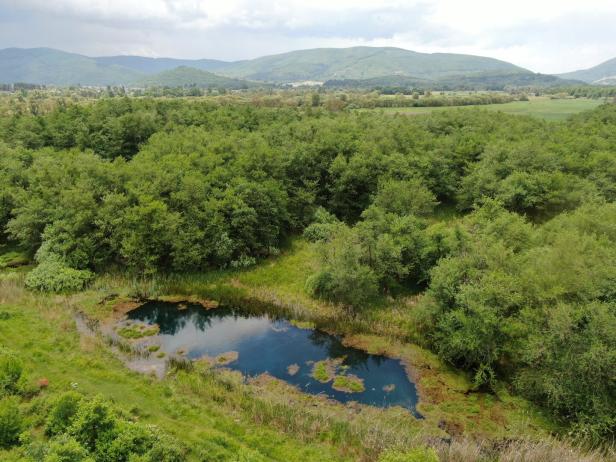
(302, 324)
(325, 371)
(348, 383)
(136, 331)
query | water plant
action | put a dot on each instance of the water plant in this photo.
(348, 383)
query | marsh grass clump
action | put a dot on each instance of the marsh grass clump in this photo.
(180, 363)
(348, 383)
(136, 331)
(323, 371)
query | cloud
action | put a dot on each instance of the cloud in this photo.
(546, 36)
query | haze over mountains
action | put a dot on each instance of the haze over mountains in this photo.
(355, 66)
(602, 74)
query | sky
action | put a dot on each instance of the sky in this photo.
(548, 36)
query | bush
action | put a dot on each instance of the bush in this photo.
(67, 449)
(10, 422)
(62, 413)
(94, 420)
(54, 276)
(11, 369)
(322, 227)
(420, 454)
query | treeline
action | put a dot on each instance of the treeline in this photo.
(370, 101)
(521, 288)
(586, 91)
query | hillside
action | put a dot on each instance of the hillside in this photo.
(358, 67)
(154, 65)
(187, 76)
(475, 81)
(361, 63)
(599, 74)
(54, 67)
(46, 66)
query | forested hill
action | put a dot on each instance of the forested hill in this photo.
(362, 63)
(602, 74)
(53, 67)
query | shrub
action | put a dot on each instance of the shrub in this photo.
(10, 422)
(62, 413)
(165, 449)
(66, 449)
(54, 276)
(244, 261)
(11, 369)
(420, 454)
(131, 439)
(322, 227)
(93, 420)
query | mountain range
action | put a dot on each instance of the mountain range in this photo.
(48, 66)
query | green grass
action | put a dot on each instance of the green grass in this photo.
(541, 107)
(136, 331)
(206, 414)
(322, 372)
(12, 256)
(349, 384)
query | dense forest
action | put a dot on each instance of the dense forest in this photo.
(519, 280)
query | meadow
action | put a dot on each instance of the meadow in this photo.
(542, 107)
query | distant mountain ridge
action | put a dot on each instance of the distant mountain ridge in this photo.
(601, 74)
(47, 66)
(322, 64)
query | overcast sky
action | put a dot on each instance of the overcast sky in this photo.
(547, 36)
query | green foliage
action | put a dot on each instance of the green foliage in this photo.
(10, 422)
(405, 198)
(521, 288)
(66, 449)
(62, 412)
(419, 454)
(52, 275)
(11, 369)
(537, 299)
(344, 278)
(93, 421)
(322, 226)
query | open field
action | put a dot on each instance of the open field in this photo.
(541, 107)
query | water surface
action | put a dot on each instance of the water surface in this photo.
(267, 344)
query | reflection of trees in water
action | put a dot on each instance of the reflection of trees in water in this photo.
(171, 319)
(335, 349)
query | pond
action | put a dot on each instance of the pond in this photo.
(314, 361)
